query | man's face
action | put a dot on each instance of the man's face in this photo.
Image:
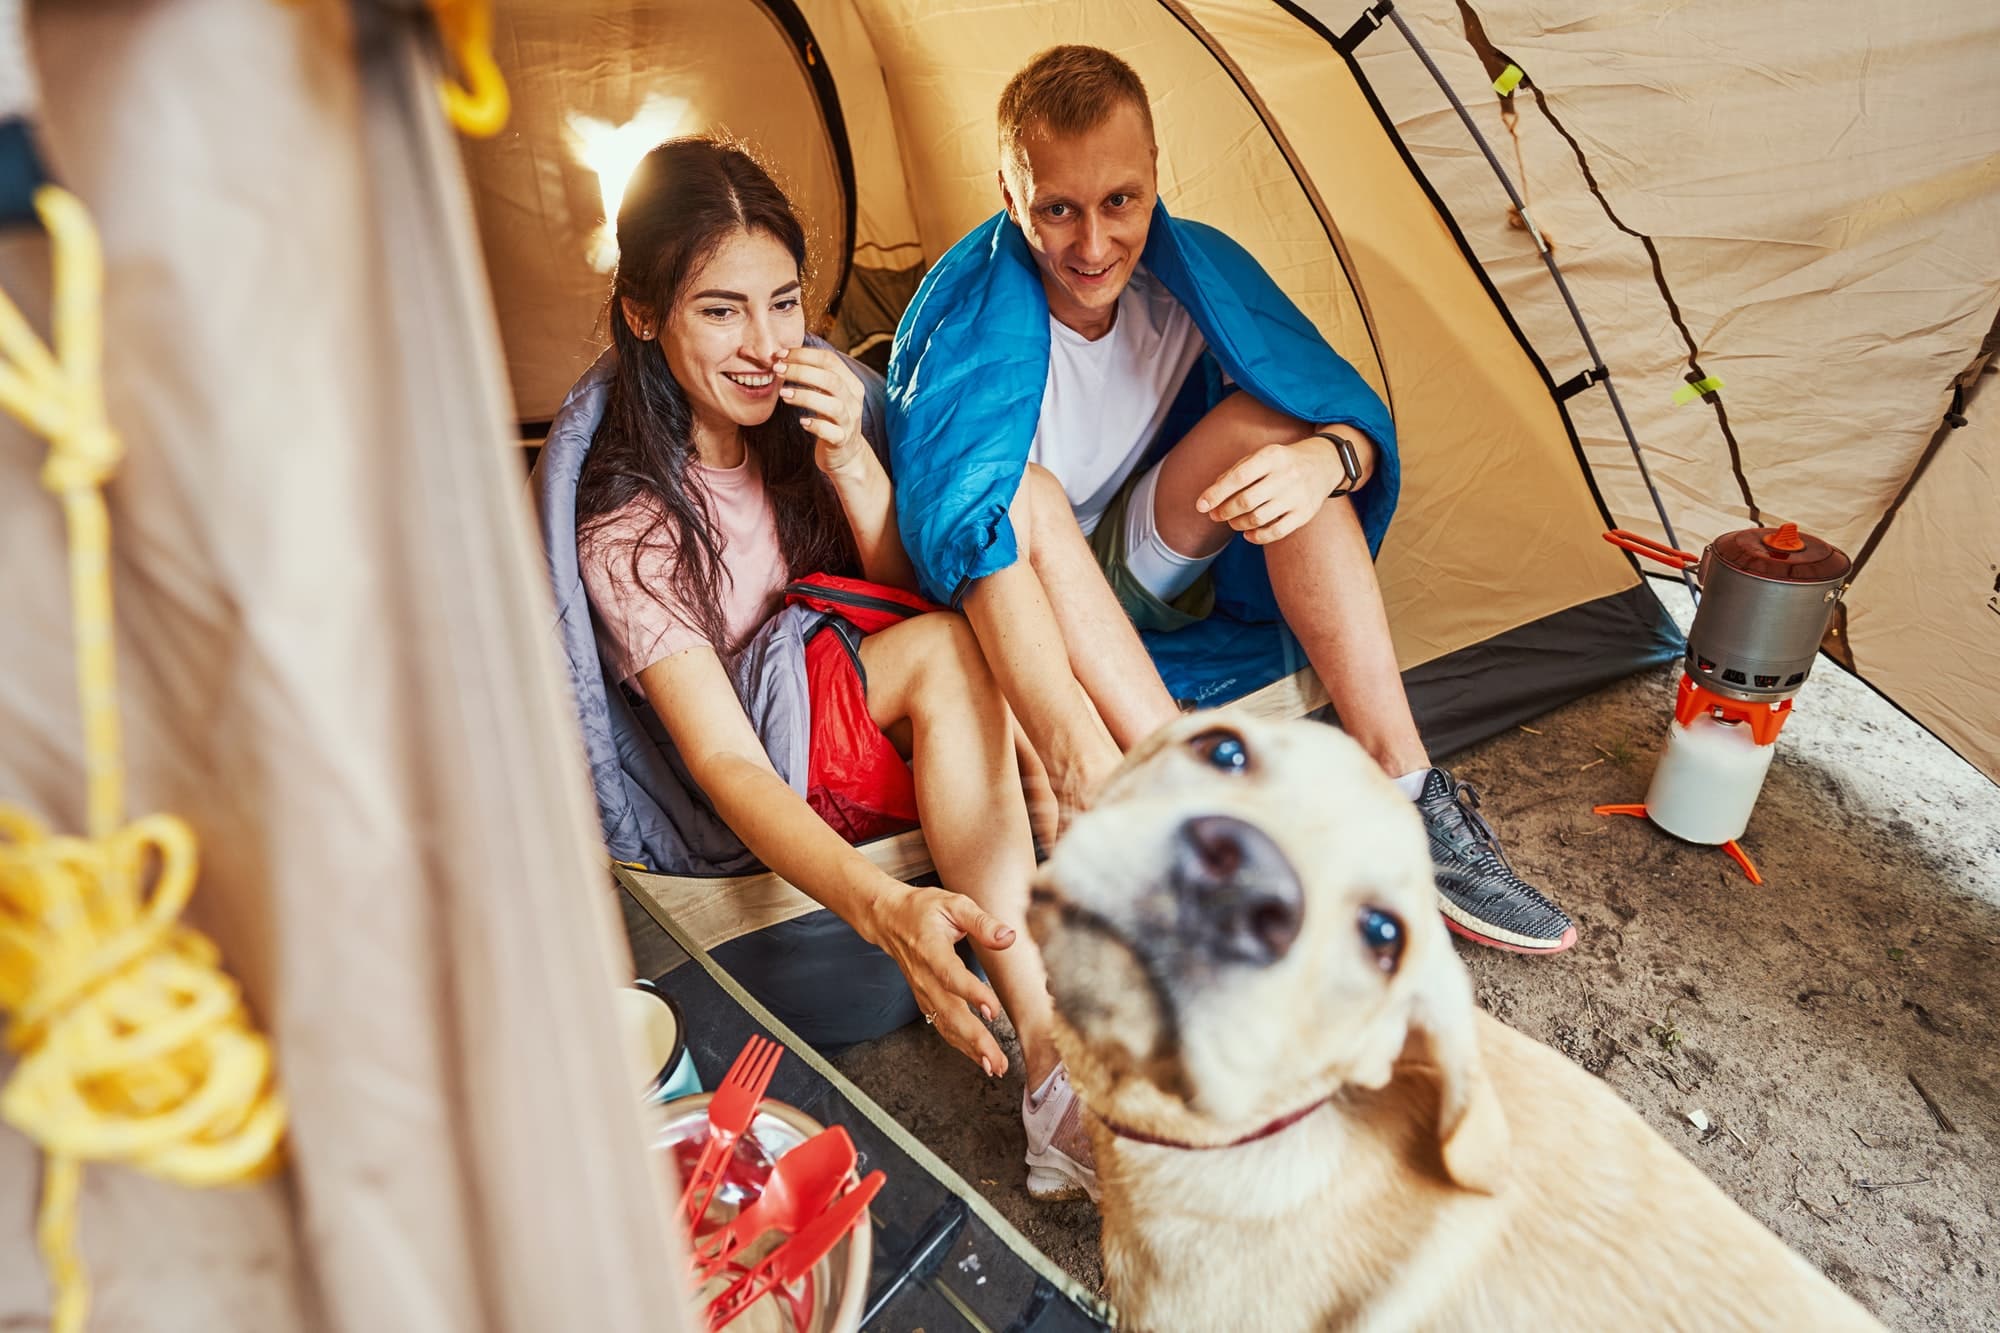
(1085, 204)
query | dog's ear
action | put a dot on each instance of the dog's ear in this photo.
(1472, 1135)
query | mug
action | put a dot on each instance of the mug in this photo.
(657, 1035)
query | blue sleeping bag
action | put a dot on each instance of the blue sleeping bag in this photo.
(965, 386)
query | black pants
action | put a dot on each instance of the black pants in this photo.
(822, 980)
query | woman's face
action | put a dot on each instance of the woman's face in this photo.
(739, 312)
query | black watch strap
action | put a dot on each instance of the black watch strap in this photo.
(1350, 463)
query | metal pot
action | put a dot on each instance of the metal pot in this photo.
(1767, 595)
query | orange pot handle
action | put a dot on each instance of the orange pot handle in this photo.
(1652, 550)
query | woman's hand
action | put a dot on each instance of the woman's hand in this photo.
(918, 927)
(829, 397)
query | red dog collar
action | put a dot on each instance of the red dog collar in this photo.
(1276, 1126)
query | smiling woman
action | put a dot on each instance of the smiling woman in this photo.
(725, 473)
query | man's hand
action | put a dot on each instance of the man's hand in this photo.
(829, 397)
(918, 928)
(1275, 491)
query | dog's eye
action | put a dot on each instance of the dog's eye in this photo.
(1382, 934)
(1222, 749)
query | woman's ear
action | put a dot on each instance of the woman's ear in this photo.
(637, 317)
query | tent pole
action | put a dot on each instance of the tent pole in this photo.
(1602, 372)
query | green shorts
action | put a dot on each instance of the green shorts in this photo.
(1107, 543)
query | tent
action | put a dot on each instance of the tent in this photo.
(1786, 254)
(1765, 326)
(335, 636)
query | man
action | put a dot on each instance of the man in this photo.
(1057, 336)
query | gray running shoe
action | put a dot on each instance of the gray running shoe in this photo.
(1478, 892)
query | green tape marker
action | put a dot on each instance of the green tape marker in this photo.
(1510, 79)
(1687, 393)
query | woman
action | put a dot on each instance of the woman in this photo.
(730, 461)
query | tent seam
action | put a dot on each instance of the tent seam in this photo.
(1472, 263)
(1482, 46)
(1301, 176)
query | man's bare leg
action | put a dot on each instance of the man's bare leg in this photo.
(1322, 574)
(1325, 582)
(1105, 652)
(1024, 645)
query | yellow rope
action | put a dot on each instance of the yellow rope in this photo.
(478, 106)
(133, 1046)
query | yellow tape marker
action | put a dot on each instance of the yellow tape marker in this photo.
(1687, 393)
(1510, 79)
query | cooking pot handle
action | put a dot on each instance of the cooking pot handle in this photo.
(1652, 550)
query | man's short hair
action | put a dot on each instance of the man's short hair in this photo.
(1063, 91)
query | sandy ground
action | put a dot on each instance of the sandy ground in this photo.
(1799, 1016)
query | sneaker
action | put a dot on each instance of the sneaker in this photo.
(1061, 1164)
(1478, 892)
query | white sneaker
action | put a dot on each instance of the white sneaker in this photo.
(1061, 1164)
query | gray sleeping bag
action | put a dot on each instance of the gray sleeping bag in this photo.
(652, 812)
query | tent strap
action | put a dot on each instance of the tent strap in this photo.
(1363, 27)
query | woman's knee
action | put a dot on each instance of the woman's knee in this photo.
(950, 651)
(948, 672)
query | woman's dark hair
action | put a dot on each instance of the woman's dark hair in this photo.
(685, 199)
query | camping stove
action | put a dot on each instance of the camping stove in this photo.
(1767, 595)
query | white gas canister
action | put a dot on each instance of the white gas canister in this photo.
(1707, 781)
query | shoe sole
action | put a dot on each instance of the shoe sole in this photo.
(1515, 944)
(1047, 1186)
(1052, 1178)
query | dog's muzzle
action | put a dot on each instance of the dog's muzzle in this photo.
(1238, 899)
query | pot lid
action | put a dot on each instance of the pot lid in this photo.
(1782, 554)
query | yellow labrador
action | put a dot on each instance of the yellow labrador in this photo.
(1302, 1120)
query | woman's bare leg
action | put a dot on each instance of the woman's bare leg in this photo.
(927, 681)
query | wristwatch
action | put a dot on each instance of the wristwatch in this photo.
(1350, 463)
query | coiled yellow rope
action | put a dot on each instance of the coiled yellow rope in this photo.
(133, 1046)
(478, 105)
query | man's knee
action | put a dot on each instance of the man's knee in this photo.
(1045, 490)
(1048, 506)
(1242, 425)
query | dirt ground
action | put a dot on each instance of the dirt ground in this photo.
(1800, 1017)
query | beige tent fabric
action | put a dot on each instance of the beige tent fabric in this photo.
(885, 226)
(1820, 186)
(1923, 617)
(335, 663)
(666, 67)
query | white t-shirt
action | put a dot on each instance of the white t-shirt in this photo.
(1105, 400)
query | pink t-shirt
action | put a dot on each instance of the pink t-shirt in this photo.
(634, 628)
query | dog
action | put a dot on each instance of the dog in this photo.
(1302, 1120)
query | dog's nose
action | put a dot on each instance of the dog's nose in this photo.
(1239, 897)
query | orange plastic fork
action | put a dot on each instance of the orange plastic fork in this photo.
(729, 1114)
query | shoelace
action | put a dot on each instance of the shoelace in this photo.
(1466, 797)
